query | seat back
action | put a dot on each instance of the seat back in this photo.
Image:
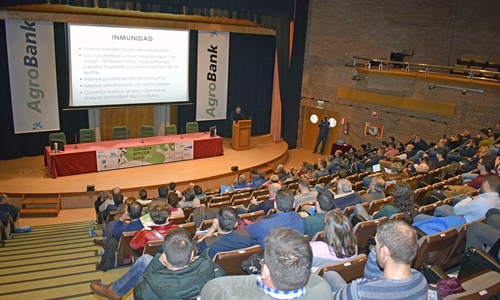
(205, 224)
(349, 270)
(243, 201)
(257, 193)
(324, 179)
(262, 197)
(147, 131)
(434, 249)
(120, 133)
(301, 205)
(57, 136)
(457, 251)
(220, 199)
(87, 135)
(399, 216)
(192, 127)
(190, 227)
(124, 252)
(420, 195)
(187, 212)
(350, 209)
(171, 129)
(111, 216)
(486, 285)
(364, 230)
(231, 261)
(375, 205)
(319, 236)
(389, 188)
(151, 247)
(177, 220)
(252, 216)
(293, 185)
(429, 208)
(240, 195)
(271, 211)
(219, 203)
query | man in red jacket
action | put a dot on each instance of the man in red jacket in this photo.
(159, 214)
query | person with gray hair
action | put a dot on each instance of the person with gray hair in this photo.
(388, 272)
(345, 196)
(286, 273)
(305, 195)
(375, 190)
(264, 205)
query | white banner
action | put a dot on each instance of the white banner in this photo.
(213, 62)
(107, 159)
(32, 71)
(184, 150)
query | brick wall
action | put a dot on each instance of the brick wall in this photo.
(439, 31)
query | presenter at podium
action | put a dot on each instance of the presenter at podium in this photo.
(237, 115)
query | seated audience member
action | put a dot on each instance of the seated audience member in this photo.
(173, 200)
(102, 202)
(310, 172)
(322, 171)
(6, 207)
(189, 200)
(480, 234)
(162, 193)
(485, 165)
(106, 232)
(468, 165)
(117, 202)
(198, 193)
(421, 168)
(160, 213)
(397, 172)
(129, 221)
(314, 223)
(305, 195)
(293, 176)
(280, 171)
(391, 150)
(345, 195)
(402, 203)
(465, 211)
(285, 273)
(264, 205)
(469, 150)
(171, 189)
(408, 153)
(149, 275)
(336, 163)
(274, 179)
(258, 178)
(371, 161)
(419, 144)
(484, 138)
(375, 190)
(441, 159)
(388, 272)
(241, 183)
(339, 241)
(285, 216)
(143, 197)
(226, 238)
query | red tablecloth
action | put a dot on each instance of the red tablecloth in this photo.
(344, 148)
(83, 159)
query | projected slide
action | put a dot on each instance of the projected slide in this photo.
(112, 66)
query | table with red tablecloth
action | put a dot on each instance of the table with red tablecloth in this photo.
(344, 148)
(83, 159)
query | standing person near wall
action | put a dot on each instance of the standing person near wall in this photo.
(324, 128)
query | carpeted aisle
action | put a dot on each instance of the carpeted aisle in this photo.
(53, 262)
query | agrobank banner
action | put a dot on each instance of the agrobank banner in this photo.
(213, 61)
(32, 71)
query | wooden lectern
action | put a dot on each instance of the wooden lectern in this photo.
(241, 134)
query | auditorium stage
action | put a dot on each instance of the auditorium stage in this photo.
(28, 175)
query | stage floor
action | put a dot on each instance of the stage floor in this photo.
(29, 175)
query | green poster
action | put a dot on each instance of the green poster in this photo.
(146, 155)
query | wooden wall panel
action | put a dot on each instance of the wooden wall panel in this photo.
(132, 117)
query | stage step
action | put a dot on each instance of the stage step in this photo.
(41, 205)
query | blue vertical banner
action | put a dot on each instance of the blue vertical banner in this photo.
(213, 62)
(32, 71)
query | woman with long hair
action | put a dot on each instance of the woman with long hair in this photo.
(402, 203)
(339, 241)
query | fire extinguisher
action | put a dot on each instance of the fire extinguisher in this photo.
(345, 126)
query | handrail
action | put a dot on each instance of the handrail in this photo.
(427, 67)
